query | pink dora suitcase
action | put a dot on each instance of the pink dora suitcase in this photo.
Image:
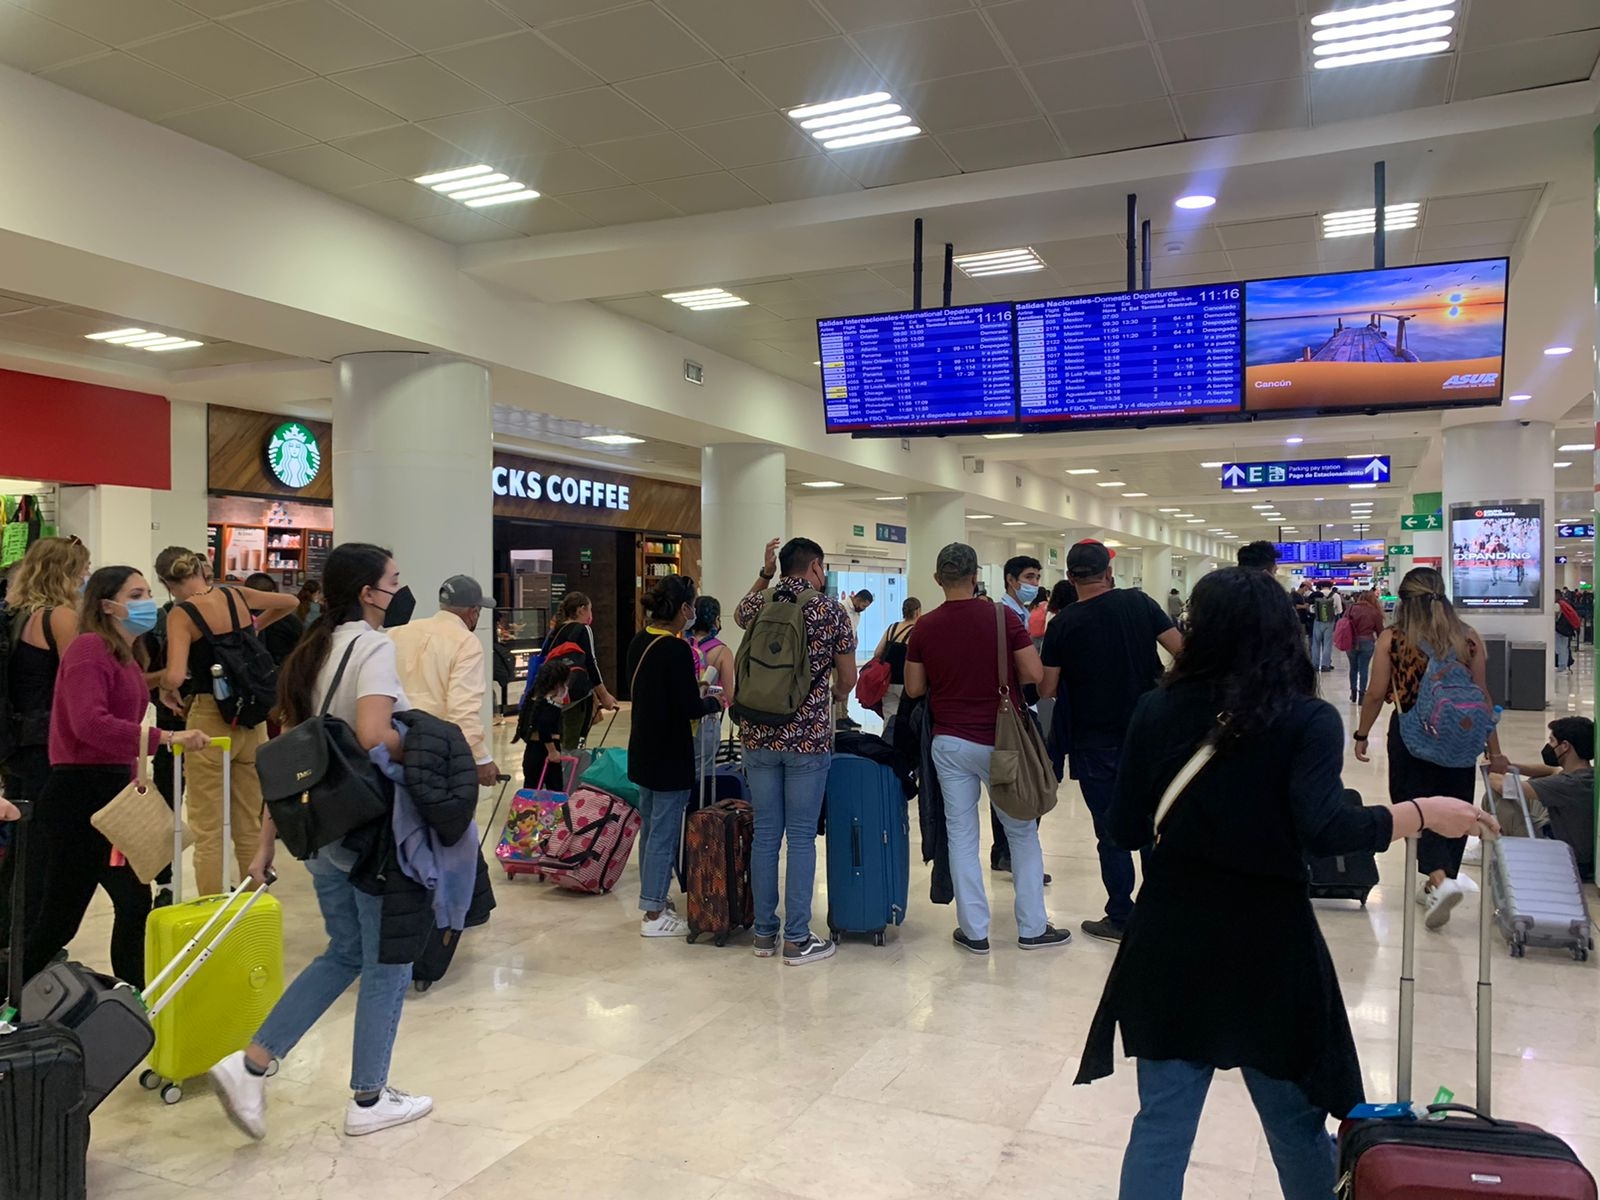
(589, 849)
(533, 816)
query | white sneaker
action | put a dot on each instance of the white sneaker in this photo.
(1441, 900)
(668, 924)
(393, 1107)
(1473, 854)
(243, 1095)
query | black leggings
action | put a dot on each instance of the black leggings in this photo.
(26, 773)
(1411, 778)
(78, 860)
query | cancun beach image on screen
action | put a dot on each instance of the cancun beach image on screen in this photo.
(1396, 338)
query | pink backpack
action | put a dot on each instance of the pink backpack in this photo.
(1344, 634)
(587, 851)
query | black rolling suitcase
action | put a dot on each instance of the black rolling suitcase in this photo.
(1344, 876)
(44, 1114)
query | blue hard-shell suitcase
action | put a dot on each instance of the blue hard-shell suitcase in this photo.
(868, 847)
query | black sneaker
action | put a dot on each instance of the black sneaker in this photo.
(971, 945)
(813, 949)
(1050, 937)
(1105, 929)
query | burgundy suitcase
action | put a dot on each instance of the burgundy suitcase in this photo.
(1465, 1152)
(719, 839)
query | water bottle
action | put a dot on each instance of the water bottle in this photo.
(219, 684)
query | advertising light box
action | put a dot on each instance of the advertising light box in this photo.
(1496, 554)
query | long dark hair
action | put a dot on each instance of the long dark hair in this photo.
(1245, 643)
(350, 568)
(104, 585)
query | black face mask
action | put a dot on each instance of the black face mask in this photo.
(1551, 758)
(401, 605)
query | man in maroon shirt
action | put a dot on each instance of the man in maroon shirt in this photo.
(952, 660)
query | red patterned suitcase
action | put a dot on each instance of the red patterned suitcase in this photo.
(589, 849)
(718, 838)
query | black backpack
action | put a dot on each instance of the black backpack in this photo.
(19, 727)
(246, 664)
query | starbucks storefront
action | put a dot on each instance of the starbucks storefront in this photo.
(270, 502)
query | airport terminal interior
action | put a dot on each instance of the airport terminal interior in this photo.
(574, 296)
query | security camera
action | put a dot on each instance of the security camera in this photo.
(1524, 424)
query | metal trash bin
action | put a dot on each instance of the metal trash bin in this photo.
(1529, 662)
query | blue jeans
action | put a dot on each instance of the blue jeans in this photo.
(1172, 1093)
(1322, 643)
(786, 790)
(352, 918)
(1096, 773)
(707, 742)
(661, 817)
(1361, 666)
(962, 766)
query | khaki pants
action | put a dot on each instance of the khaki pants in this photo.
(202, 776)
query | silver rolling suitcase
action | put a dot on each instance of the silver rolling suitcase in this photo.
(1538, 893)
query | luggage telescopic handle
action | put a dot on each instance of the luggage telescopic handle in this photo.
(225, 744)
(205, 953)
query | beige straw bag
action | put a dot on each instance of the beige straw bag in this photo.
(138, 822)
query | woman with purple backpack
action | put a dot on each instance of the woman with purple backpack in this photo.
(1430, 662)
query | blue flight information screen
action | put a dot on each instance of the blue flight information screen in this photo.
(948, 367)
(1167, 352)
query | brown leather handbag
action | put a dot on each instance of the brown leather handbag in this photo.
(1022, 783)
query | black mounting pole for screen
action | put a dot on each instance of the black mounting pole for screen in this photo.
(1144, 255)
(1133, 241)
(916, 264)
(949, 270)
(1379, 203)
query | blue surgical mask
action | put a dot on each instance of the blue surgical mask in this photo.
(141, 616)
(1027, 593)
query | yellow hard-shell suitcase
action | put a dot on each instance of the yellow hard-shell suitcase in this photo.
(239, 976)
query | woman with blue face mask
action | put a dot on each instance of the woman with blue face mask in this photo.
(95, 740)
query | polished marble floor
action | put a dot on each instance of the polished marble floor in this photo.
(568, 1057)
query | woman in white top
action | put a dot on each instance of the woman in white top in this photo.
(359, 583)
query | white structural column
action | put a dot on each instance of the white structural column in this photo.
(743, 506)
(178, 516)
(934, 520)
(1499, 461)
(1158, 572)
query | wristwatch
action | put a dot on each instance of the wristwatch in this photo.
(767, 575)
(1361, 737)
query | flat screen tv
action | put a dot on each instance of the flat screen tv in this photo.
(1496, 552)
(1168, 354)
(1425, 336)
(930, 371)
(1365, 551)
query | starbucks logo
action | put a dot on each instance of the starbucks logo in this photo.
(293, 455)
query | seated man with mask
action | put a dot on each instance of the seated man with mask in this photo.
(1559, 791)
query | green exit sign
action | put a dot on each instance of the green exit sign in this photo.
(858, 531)
(1422, 521)
(1402, 551)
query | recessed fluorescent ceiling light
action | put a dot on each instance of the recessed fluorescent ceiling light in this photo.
(1293, 441)
(1559, 465)
(479, 186)
(1013, 524)
(854, 121)
(1111, 483)
(1167, 510)
(1196, 521)
(1083, 470)
(706, 299)
(1362, 487)
(1353, 221)
(1134, 495)
(614, 439)
(1176, 513)
(999, 262)
(1243, 491)
(1519, 397)
(143, 339)
(980, 516)
(1576, 447)
(1557, 351)
(999, 437)
(1379, 32)
(888, 497)
(822, 483)
(1262, 507)
(1196, 200)
(1210, 464)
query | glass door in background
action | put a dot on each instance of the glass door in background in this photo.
(888, 590)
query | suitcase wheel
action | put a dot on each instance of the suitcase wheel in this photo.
(422, 985)
(149, 1080)
(694, 934)
(172, 1093)
(722, 938)
(1517, 949)
(877, 938)
(1580, 954)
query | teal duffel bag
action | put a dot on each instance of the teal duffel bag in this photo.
(609, 772)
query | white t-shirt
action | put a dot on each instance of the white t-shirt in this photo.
(372, 671)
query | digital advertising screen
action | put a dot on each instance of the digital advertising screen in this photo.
(1364, 551)
(1403, 337)
(924, 371)
(1496, 555)
(1166, 353)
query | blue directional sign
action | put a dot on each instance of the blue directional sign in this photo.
(1306, 472)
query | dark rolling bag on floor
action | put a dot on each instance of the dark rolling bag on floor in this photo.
(1344, 876)
(868, 847)
(718, 838)
(1467, 1152)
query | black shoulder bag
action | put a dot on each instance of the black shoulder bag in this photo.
(318, 782)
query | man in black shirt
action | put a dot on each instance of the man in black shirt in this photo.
(1102, 652)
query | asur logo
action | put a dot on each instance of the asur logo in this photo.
(293, 455)
(1481, 379)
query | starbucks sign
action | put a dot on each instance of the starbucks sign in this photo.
(293, 456)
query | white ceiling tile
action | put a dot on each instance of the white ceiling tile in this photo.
(1355, 253)
(1247, 109)
(767, 137)
(416, 88)
(519, 66)
(1464, 253)
(798, 179)
(1256, 262)
(131, 85)
(237, 130)
(998, 146)
(1513, 205)
(221, 60)
(540, 217)
(628, 42)
(1097, 80)
(495, 134)
(808, 73)
(400, 199)
(1180, 18)
(323, 109)
(1489, 25)
(543, 12)
(1123, 127)
(965, 101)
(406, 150)
(1478, 233)
(217, 9)
(430, 25)
(620, 206)
(1079, 252)
(695, 95)
(1191, 233)
(839, 285)
(318, 35)
(896, 162)
(462, 226)
(115, 22)
(597, 115)
(1213, 60)
(1373, 90)
(1284, 231)
(563, 172)
(1563, 58)
(323, 167)
(715, 192)
(740, 26)
(31, 43)
(1169, 265)
(953, 45)
(1037, 30)
(654, 156)
(854, 15)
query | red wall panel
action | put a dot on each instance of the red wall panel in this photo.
(66, 432)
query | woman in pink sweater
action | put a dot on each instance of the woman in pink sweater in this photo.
(95, 730)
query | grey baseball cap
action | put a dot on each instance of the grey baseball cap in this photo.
(462, 591)
(955, 562)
